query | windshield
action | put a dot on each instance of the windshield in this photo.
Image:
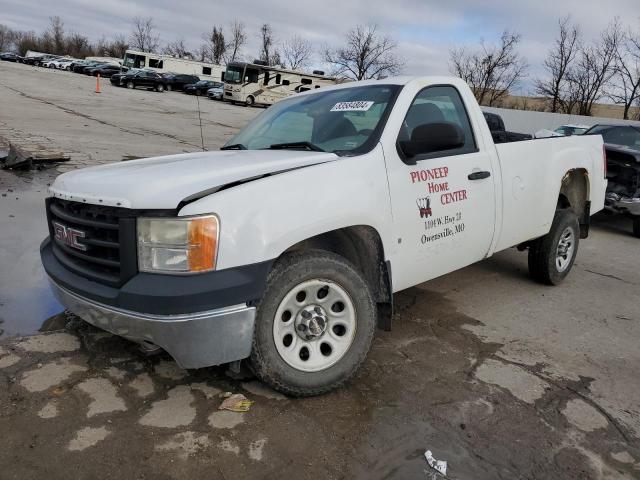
(343, 121)
(233, 74)
(618, 135)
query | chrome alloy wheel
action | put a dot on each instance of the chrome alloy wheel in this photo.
(315, 325)
(564, 252)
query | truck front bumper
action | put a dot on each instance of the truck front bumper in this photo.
(194, 340)
(200, 320)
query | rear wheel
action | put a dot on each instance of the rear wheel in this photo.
(169, 87)
(314, 324)
(551, 257)
(130, 84)
(636, 226)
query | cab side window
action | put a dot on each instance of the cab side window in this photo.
(439, 104)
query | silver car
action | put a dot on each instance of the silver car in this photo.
(216, 93)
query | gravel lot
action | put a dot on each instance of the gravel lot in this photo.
(501, 377)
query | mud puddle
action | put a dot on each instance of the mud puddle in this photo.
(25, 299)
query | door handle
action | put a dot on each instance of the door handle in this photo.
(479, 175)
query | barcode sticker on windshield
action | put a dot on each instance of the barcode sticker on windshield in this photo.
(358, 106)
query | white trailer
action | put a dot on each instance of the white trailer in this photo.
(167, 63)
(257, 83)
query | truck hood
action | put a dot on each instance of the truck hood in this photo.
(164, 182)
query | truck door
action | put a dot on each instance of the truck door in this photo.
(443, 202)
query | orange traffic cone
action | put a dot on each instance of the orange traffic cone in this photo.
(98, 83)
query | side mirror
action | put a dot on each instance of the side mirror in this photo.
(433, 137)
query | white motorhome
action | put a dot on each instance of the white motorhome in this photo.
(258, 83)
(109, 60)
(167, 63)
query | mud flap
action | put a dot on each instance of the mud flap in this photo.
(585, 220)
(385, 310)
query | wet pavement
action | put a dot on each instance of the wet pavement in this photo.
(499, 376)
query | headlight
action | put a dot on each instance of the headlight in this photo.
(178, 245)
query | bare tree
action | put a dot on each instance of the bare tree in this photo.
(268, 52)
(144, 36)
(493, 70)
(297, 52)
(117, 47)
(367, 54)
(595, 68)
(56, 30)
(6, 37)
(78, 46)
(237, 41)
(626, 88)
(215, 46)
(177, 48)
(558, 63)
(26, 41)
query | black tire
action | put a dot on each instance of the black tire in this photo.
(290, 271)
(169, 88)
(131, 85)
(636, 226)
(159, 88)
(543, 252)
(250, 101)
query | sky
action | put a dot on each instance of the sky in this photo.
(424, 30)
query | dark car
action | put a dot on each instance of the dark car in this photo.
(107, 70)
(143, 78)
(199, 88)
(499, 132)
(81, 66)
(10, 57)
(177, 81)
(622, 146)
(31, 60)
(87, 70)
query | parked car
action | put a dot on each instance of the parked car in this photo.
(35, 60)
(89, 68)
(143, 78)
(79, 65)
(499, 132)
(10, 57)
(568, 130)
(562, 131)
(216, 93)
(49, 62)
(107, 71)
(82, 67)
(219, 256)
(177, 81)
(622, 145)
(200, 87)
(116, 78)
(62, 63)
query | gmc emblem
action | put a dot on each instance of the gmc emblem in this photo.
(69, 236)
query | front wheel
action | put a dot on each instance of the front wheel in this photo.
(314, 324)
(551, 257)
(250, 101)
(130, 84)
(159, 88)
(636, 226)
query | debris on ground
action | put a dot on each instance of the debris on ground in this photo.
(28, 156)
(236, 403)
(439, 466)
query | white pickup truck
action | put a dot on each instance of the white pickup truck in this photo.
(286, 246)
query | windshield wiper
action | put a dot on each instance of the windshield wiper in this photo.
(234, 146)
(296, 145)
